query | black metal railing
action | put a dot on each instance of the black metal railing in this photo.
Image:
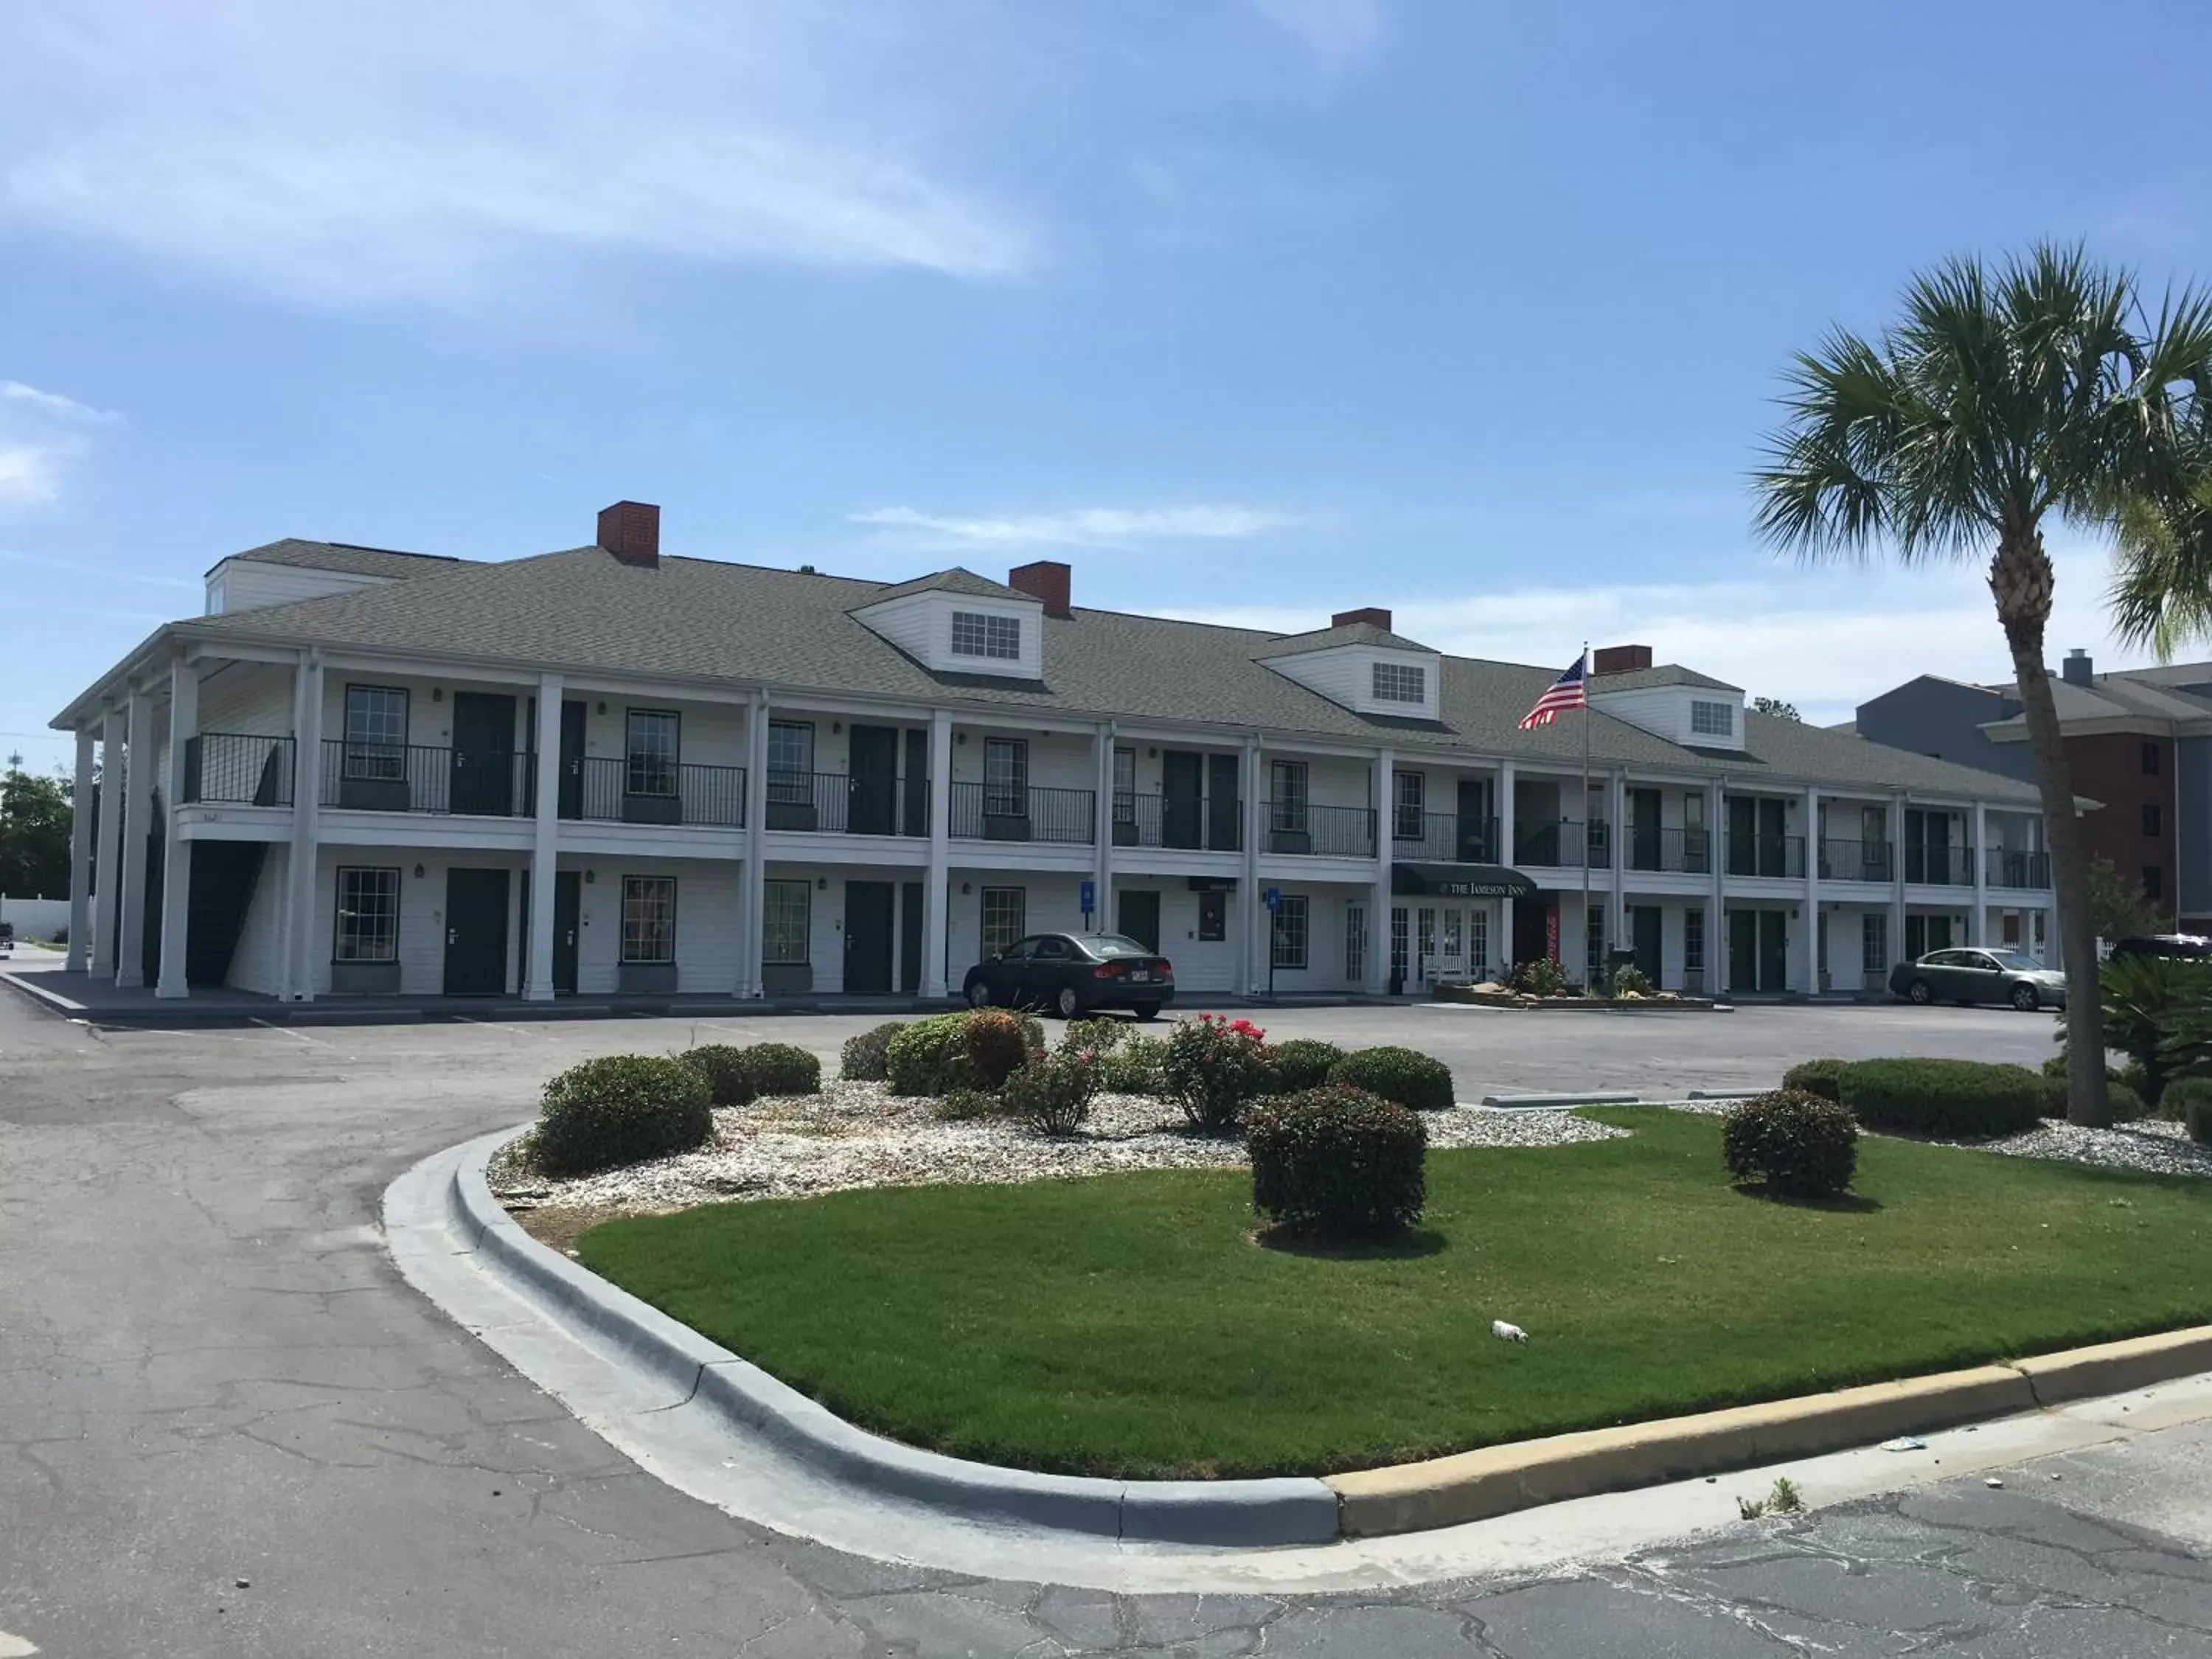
(1294, 827)
(982, 812)
(847, 803)
(1857, 861)
(239, 767)
(640, 789)
(1444, 838)
(2011, 869)
(1563, 845)
(1767, 856)
(1206, 824)
(1674, 851)
(390, 777)
(1940, 867)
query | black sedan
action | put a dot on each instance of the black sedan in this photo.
(1074, 974)
(1979, 976)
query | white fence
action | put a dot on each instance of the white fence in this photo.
(34, 918)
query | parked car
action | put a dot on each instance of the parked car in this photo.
(1074, 974)
(6, 939)
(2185, 946)
(1976, 976)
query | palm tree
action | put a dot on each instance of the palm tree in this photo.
(2041, 389)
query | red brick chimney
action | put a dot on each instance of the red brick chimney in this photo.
(1371, 613)
(1048, 580)
(631, 531)
(1619, 659)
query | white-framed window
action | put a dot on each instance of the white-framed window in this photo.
(367, 928)
(651, 740)
(787, 921)
(1478, 939)
(1426, 930)
(1005, 918)
(1289, 933)
(1594, 946)
(1355, 943)
(1452, 915)
(1125, 786)
(375, 732)
(1400, 682)
(1693, 941)
(975, 634)
(1873, 945)
(1411, 803)
(1006, 777)
(648, 919)
(1286, 798)
(791, 760)
(215, 599)
(1712, 719)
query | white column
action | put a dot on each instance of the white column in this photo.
(1501, 953)
(752, 875)
(80, 921)
(1812, 962)
(1979, 932)
(1102, 824)
(108, 869)
(137, 824)
(176, 851)
(1616, 833)
(545, 843)
(1386, 829)
(299, 971)
(1897, 874)
(937, 896)
(1251, 962)
(1715, 899)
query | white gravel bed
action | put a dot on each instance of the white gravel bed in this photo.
(859, 1134)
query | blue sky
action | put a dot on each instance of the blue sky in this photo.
(1253, 309)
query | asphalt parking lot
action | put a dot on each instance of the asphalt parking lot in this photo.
(228, 1427)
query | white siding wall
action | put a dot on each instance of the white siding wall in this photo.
(252, 698)
(825, 916)
(1346, 677)
(249, 584)
(1324, 968)
(257, 963)
(1053, 903)
(1665, 711)
(920, 624)
(429, 716)
(705, 923)
(713, 734)
(1207, 966)
(1061, 760)
(1331, 780)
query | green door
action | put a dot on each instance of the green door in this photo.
(910, 938)
(1140, 917)
(476, 932)
(1644, 832)
(1643, 925)
(483, 768)
(1225, 830)
(1773, 951)
(868, 907)
(1743, 948)
(1743, 837)
(874, 809)
(1183, 792)
(567, 921)
(572, 715)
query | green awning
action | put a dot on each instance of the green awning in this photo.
(1460, 881)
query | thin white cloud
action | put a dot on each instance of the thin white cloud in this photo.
(102, 573)
(1337, 32)
(42, 435)
(1088, 526)
(30, 475)
(415, 148)
(53, 404)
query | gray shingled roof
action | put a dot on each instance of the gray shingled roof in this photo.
(1328, 639)
(583, 609)
(1666, 674)
(344, 556)
(955, 581)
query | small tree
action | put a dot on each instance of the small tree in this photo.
(1776, 706)
(2119, 907)
(34, 834)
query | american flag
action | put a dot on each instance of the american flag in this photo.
(1564, 692)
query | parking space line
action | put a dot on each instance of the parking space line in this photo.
(296, 1036)
(503, 1028)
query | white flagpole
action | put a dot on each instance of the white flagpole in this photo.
(1587, 987)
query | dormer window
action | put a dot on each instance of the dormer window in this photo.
(1712, 719)
(976, 635)
(1399, 681)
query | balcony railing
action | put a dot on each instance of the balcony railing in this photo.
(1940, 867)
(1767, 856)
(390, 777)
(1671, 851)
(1202, 823)
(639, 790)
(240, 768)
(1858, 860)
(984, 811)
(1294, 827)
(1562, 845)
(843, 804)
(2010, 869)
(1444, 838)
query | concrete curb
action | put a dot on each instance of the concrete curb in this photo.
(1227, 1513)
(2117, 1367)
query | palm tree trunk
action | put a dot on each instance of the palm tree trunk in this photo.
(2020, 580)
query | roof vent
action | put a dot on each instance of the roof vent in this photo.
(2078, 669)
(1619, 658)
(631, 531)
(1374, 615)
(1047, 581)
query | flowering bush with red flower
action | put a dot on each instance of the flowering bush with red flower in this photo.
(1215, 1068)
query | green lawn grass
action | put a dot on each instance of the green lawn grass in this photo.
(1125, 1324)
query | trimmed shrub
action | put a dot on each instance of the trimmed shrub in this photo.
(621, 1108)
(1051, 1093)
(1338, 1160)
(723, 1066)
(1099, 1036)
(1137, 1066)
(2189, 1100)
(1801, 1144)
(2055, 1067)
(1302, 1063)
(1630, 981)
(1541, 977)
(928, 1056)
(1412, 1080)
(1214, 1069)
(781, 1068)
(994, 1044)
(959, 1105)
(866, 1057)
(2125, 1103)
(1816, 1077)
(1966, 1099)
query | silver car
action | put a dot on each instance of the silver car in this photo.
(1979, 975)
